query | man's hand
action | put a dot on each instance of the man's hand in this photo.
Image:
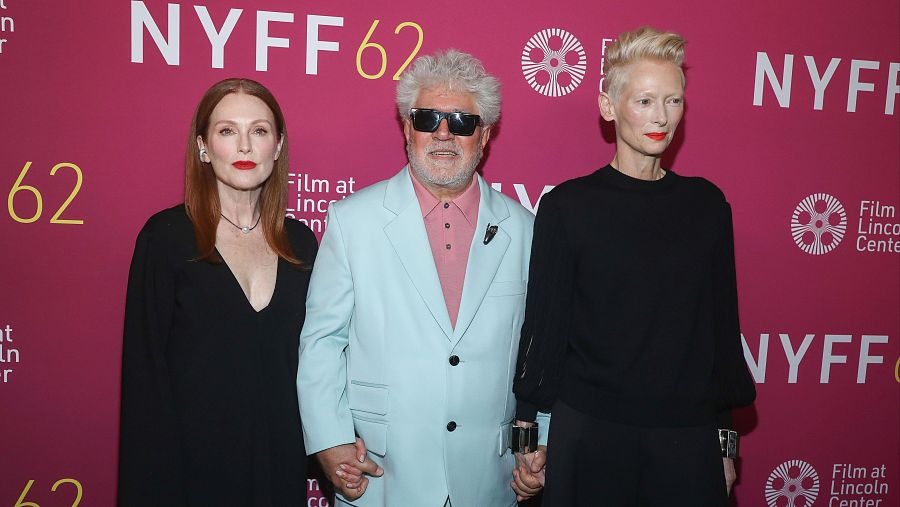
(730, 474)
(528, 476)
(344, 465)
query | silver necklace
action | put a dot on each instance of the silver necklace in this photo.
(245, 230)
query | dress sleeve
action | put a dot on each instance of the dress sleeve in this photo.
(150, 458)
(733, 384)
(545, 331)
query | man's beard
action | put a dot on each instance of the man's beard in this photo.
(458, 180)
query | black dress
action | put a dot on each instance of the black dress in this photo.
(209, 410)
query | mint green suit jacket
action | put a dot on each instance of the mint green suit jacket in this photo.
(376, 343)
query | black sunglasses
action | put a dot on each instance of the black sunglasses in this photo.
(459, 124)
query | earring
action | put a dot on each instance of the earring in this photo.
(203, 155)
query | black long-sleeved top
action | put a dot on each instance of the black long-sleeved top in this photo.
(209, 410)
(631, 313)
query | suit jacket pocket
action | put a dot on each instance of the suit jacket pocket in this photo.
(511, 288)
(367, 397)
(373, 433)
(503, 438)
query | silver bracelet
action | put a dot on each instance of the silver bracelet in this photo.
(524, 440)
(728, 442)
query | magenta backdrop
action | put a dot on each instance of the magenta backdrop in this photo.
(785, 100)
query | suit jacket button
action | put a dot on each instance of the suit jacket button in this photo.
(454, 360)
(451, 425)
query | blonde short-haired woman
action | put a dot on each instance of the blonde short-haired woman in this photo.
(631, 336)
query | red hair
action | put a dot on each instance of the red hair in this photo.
(201, 198)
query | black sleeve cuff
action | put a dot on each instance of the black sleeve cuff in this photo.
(526, 411)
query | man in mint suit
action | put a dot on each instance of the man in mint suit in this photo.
(415, 307)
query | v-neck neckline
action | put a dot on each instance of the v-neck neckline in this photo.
(241, 289)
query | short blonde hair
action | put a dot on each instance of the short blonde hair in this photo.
(645, 43)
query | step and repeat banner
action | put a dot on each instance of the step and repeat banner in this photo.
(792, 109)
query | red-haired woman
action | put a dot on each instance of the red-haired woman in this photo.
(214, 308)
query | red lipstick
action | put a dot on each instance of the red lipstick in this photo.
(244, 165)
(656, 136)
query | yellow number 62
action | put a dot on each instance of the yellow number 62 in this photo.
(367, 44)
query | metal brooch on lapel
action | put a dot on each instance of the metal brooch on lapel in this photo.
(490, 233)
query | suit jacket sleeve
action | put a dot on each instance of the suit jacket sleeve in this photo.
(150, 456)
(322, 368)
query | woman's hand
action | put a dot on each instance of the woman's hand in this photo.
(528, 476)
(730, 474)
(346, 466)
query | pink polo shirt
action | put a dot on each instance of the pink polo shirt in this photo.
(450, 226)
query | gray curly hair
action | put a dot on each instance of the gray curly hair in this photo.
(453, 70)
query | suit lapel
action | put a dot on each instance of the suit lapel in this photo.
(410, 241)
(483, 259)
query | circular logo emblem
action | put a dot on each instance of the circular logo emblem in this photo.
(553, 62)
(818, 224)
(793, 483)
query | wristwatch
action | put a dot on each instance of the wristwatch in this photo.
(728, 441)
(524, 440)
